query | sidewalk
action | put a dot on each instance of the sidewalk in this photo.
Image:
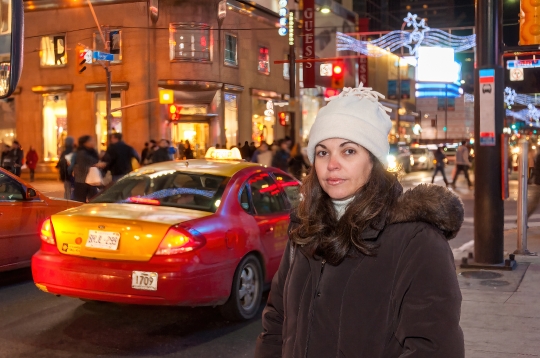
(501, 309)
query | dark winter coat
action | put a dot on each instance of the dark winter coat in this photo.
(281, 159)
(118, 158)
(161, 155)
(84, 159)
(439, 158)
(296, 164)
(63, 166)
(403, 303)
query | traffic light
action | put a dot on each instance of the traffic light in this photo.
(337, 75)
(283, 118)
(174, 112)
(84, 57)
(529, 23)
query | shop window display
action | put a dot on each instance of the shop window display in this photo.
(53, 51)
(231, 119)
(54, 125)
(262, 125)
(264, 60)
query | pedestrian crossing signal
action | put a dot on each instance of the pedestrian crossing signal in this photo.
(337, 76)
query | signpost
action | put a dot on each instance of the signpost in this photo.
(102, 56)
(487, 107)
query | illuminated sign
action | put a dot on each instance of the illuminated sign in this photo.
(326, 70)
(522, 64)
(291, 28)
(308, 32)
(283, 12)
(230, 154)
(436, 64)
(450, 90)
(516, 74)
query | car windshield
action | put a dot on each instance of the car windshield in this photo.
(417, 151)
(167, 188)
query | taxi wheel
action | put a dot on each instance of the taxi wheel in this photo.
(246, 293)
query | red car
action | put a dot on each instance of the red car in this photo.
(22, 211)
(191, 233)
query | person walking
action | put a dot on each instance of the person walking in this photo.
(144, 153)
(282, 156)
(263, 155)
(17, 155)
(63, 165)
(85, 158)
(440, 163)
(367, 270)
(188, 152)
(245, 151)
(162, 153)
(31, 162)
(297, 162)
(118, 158)
(531, 160)
(462, 164)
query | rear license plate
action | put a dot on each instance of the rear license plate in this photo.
(103, 240)
(141, 280)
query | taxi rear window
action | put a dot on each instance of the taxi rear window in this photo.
(167, 188)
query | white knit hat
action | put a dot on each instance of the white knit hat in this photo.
(357, 115)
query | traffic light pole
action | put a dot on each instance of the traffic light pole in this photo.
(292, 90)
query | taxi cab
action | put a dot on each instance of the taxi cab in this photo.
(197, 232)
(22, 211)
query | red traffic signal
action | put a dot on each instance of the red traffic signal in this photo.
(283, 118)
(337, 76)
(174, 112)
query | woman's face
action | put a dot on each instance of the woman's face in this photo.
(342, 167)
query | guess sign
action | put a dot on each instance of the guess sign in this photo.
(309, 43)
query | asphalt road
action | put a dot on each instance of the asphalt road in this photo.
(37, 324)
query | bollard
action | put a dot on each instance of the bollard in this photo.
(522, 199)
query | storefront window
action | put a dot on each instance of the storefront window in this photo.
(101, 117)
(196, 133)
(115, 40)
(54, 125)
(231, 119)
(230, 50)
(190, 42)
(53, 51)
(262, 126)
(7, 123)
(264, 60)
(311, 103)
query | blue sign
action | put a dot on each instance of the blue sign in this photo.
(511, 64)
(102, 56)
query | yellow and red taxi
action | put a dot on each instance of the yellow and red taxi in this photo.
(198, 232)
(22, 211)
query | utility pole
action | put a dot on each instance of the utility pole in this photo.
(446, 112)
(488, 125)
(292, 91)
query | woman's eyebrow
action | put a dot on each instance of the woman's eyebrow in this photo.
(348, 142)
(320, 145)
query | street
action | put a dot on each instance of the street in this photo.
(36, 324)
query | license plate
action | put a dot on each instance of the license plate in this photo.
(103, 240)
(142, 280)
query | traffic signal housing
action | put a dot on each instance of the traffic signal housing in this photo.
(174, 112)
(84, 56)
(337, 75)
(283, 118)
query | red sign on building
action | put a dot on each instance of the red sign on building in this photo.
(308, 33)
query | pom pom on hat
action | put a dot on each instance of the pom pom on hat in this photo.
(356, 115)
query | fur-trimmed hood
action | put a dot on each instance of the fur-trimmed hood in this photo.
(432, 204)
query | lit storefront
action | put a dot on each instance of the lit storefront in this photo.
(8, 131)
(101, 117)
(54, 125)
(263, 117)
(231, 119)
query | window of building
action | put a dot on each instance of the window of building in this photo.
(190, 42)
(53, 51)
(101, 117)
(231, 46)
(264, 60)
(266, 195)
(231, 119)
(54, 125)
(115, 40)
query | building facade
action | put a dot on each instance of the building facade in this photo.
(219, 72)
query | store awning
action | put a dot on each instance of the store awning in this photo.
(192, 92)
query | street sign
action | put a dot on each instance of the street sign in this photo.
(326, 69)
(88, 56)
(516, 74)
(102, 56)
(522, 64)
(487, 107)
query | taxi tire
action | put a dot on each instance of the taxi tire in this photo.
(232, 310)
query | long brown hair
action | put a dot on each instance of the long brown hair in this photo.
(321, 231)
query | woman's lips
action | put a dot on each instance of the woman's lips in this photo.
(335, 181)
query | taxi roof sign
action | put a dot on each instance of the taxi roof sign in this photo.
(228, 154)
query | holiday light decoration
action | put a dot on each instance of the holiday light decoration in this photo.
(531, 113)
(421, 35)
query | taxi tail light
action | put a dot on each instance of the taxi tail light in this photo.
(179, 240)
(47, 232)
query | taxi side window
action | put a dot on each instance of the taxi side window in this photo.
(291, 188)
(265, 195)
(10, 189)
(245, 203)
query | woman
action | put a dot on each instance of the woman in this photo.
(31, 162)
(367, 271)
(297, 162)
(63, 165)
(440, 159)
(85, 158)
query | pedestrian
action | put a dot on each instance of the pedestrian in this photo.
(367, 270)
(282, 156)
(31, 162)
(462, 164)
(181, 150)
(188, 152)
(245, 151)
(63, 165)
(118, 158)
(5, 160)
(252, 149)
(297, 162)
(162, 153)
(152, 148)
(263, 155)
(144, 153)
(440, 161)
(17, 155)
(85, 158)
(531, 159)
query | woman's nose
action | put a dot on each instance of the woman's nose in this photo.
(333, 163)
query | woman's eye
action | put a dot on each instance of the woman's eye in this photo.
(321, 153)
(350, 151)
